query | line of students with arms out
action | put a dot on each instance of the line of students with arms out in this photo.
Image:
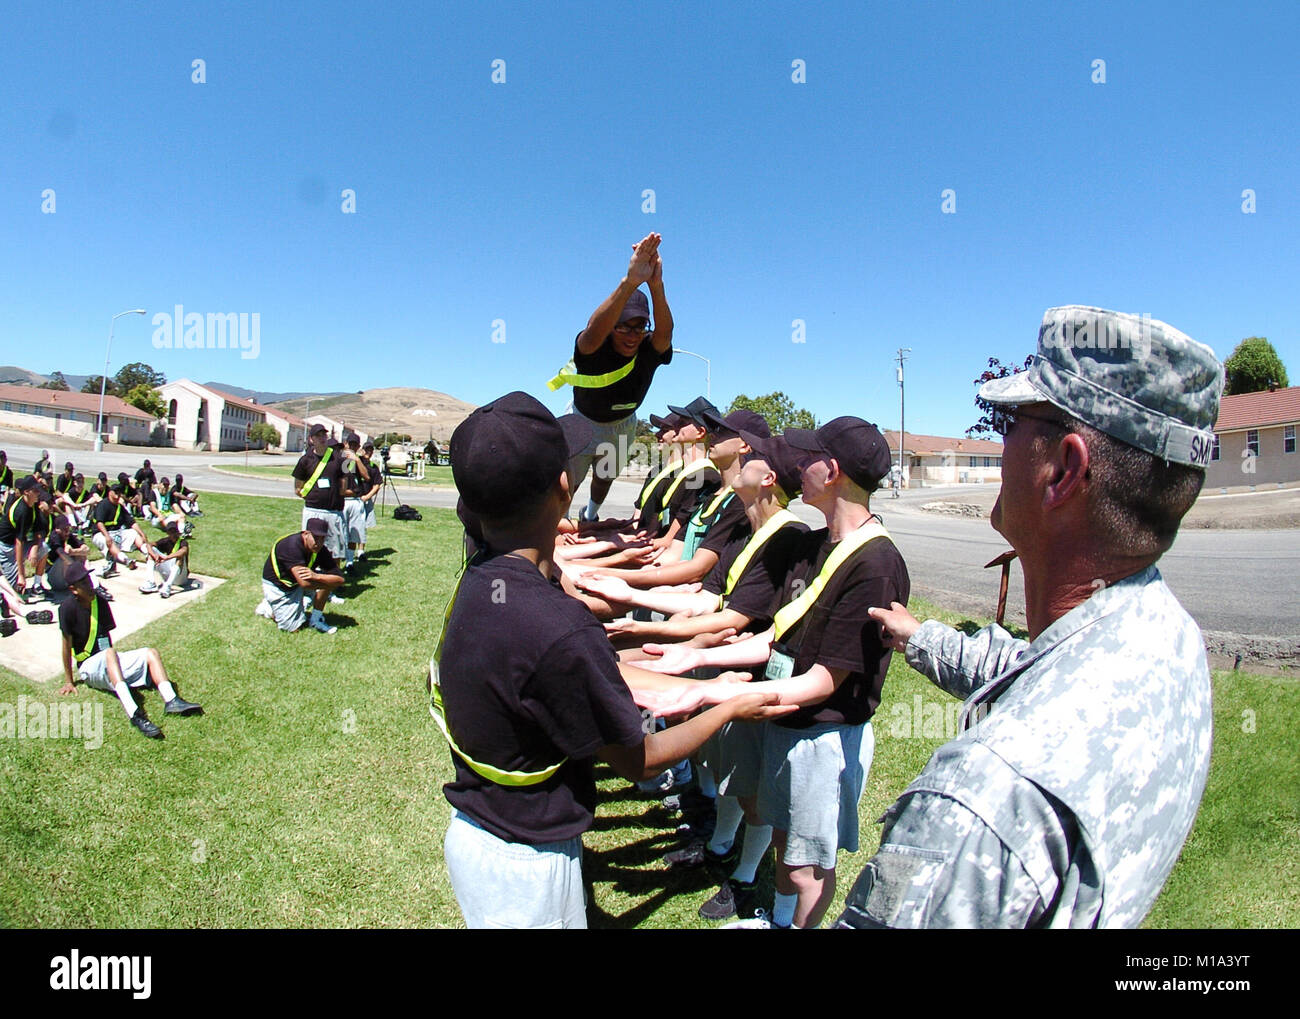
(713, 574)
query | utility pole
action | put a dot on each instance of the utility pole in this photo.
(902, 356)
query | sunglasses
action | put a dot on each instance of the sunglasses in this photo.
(1003, 419)
(636, 328)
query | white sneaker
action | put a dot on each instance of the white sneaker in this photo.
(318, 623)
(760, 921)
(148, 588)
(335, 600)
(263, 609)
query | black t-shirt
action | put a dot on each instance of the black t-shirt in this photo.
(62, 483)
(146, 474)
(58, 546)
(112, 516)
(763, 578)
(288, 553)
(77, 496)
(74, 621)
(168, 544)
(699, 487)
(353, 480)
(651, 504)
(528, 677)
(837, 632)
(615, 401)
(727, 524)
(6, 476)
(13, 518)
(327, 492)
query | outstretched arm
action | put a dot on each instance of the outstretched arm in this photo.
(603, 319)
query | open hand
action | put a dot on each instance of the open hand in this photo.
(897, 625)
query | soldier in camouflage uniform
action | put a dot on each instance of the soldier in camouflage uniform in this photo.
(1084, 753)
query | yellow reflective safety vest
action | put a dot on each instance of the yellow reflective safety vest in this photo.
(782, 518)
(275, 566)
(648, 492)
(92, 634)
(704, 518)
(320, 467)
(692, 468)
(790, 614)
(568, 376)
(487, 771)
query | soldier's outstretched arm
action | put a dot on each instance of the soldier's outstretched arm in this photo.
(959, 663)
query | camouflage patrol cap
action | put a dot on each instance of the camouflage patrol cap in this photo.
(1133, 377)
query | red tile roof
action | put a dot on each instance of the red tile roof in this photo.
(61, 400)
(1259, 410)
(921, 445)
(238, 401)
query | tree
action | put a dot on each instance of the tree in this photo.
(91, 385)
(264, 432)
(996, 370)
(777, 409)
(147, 399)
(1253, 366)
(56, 381)
(137, 373)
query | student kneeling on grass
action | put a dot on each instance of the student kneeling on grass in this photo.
(527, 689)
(86, 620)
(299, 563)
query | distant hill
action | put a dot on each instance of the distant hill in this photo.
(420, 413)
(262, 396)
(14, 376)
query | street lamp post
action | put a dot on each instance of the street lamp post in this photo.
(708, 370)
(103, 379)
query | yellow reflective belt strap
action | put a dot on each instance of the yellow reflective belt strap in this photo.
(692, 468)
(493, 774)
(648, 492)
(275, 566)
(569, 376)
(696, 527)
(84, 653)
(320, 467)
(783, 518)
(790, 614)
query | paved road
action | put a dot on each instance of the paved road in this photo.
(1245, 582)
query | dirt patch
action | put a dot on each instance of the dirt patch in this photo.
(955, 509)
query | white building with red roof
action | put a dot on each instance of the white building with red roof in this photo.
(200, 417)
(63, 413)
(1255, 440)
(942, 460)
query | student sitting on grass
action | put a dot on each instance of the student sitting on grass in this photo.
(117, 533)
(86, 620)
(299, 564)
(169, 564)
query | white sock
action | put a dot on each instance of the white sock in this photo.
(167, 691)
(707, 786)
(124, 695)
(752, 847)
(783, 910)
(730, 815)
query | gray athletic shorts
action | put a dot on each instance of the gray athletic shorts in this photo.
(135, 669)
(286, 606)
(811, 784)
(611, 444)
(512, 885)
(738, 764)
(9, 563)
(354, 518)
(337, 540)
(370, 512)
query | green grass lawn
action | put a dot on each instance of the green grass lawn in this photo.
(438, 477)
(310, 792)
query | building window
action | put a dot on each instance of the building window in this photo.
(974, 461)
(171, 413)
(1288, 439)
(1214, 450)
(1252, 441)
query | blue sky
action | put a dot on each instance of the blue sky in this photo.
(476, 201)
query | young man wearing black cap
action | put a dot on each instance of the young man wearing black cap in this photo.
(526, 688)
(356, 486)
(146, 476)
(65, 480)
(377, 483)
(169, 563)
(116, 532)
(613, 366)
(44, 465)
(6, 474)
(22, 532)
(825, 654)
(86, 620)
(186, 500)
(318, 481)
(299, 563)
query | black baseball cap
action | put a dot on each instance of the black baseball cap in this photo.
(74, 572)
(638, 306)
(507, 452)
(318, 527)
(68, 466)
(577, 433)
(856, 445)
(317, 429)
(691, 412)
(25, 482)
(777, 454)
(672, 421)
(103, 476)
(734, 423)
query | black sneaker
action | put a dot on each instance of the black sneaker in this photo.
(734, 898)
(697, 853)
(176, 706)
(146, 727)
